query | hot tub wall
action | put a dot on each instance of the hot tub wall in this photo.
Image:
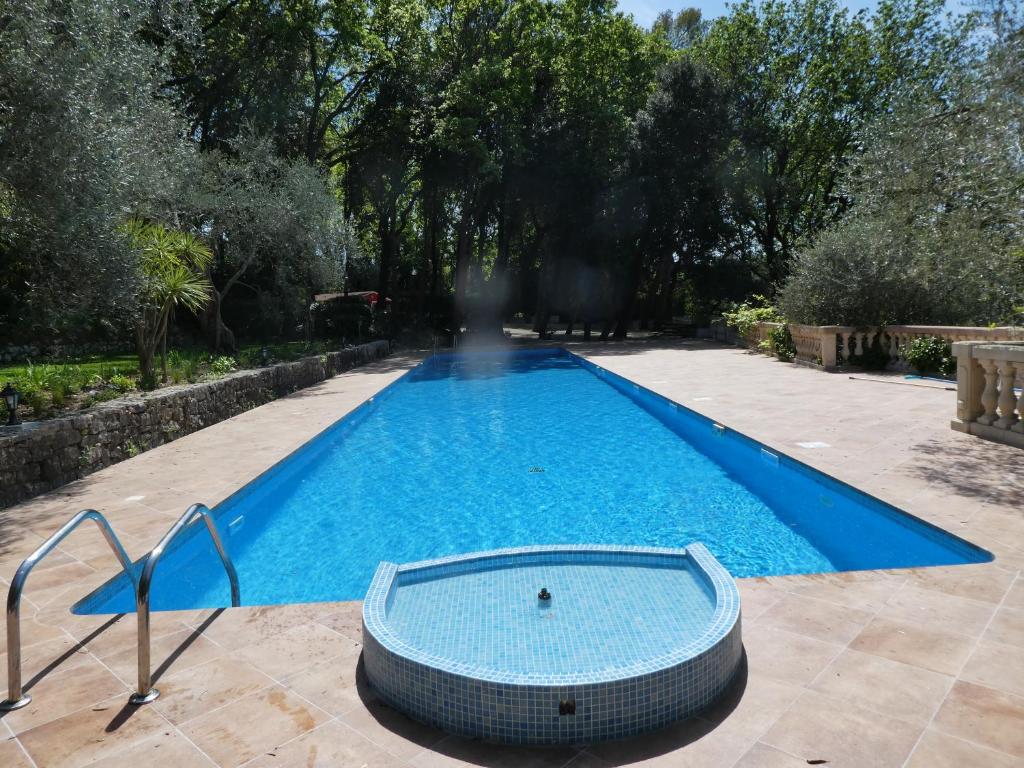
(518, 714)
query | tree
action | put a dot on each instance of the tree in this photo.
(173, 265)
(938, 208)
(678, 165)
(270, 221)
(85, 140)
(805, 78)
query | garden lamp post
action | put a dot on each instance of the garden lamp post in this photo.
(11, 397)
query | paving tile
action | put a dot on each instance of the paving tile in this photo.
(64, 691)
(297, 649)
(938, 650)
(235, 628)
(332, 745)
(976, 582)
(394, 731)
(985, 716)
(794, 658)
(757, 596)
(189, 693)
(455, 752)
(820, 727)
(166, 749)
(60, 653)
(91, 734)
(934, 610)
(1007, 627)
(888, 687)
(332, 685)
(346, 620)
(867, 594)
(996, 666)
(12, 755)
(938, 750)
(168, 653)
(763, 756)
(815, 618)
(1015, 595)
(251, 726)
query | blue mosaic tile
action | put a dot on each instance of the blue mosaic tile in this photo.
(659, 654)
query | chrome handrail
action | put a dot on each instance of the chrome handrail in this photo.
(16, 697)
(146, 692)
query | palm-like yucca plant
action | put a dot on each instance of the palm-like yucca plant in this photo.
(173, 266)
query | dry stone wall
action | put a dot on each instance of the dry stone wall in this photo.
(40, 456)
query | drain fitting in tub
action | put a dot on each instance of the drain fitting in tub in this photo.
(567, 707)
(544, 595)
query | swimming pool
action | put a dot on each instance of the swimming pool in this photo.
(488, 450)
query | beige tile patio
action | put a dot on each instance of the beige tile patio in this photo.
(794, 658)
(332, 685)
(166, 749)
(331, 745)
(455, 752)
(253, 725)
(939, 750)
(889, 687)
(977, 582)
(90, 734)
(763, 756)
(815, 618)
(996, 666)
(938, 650)
(64, 691)
(936, 610)
(168, 653)
(12, 755)
(1007, 627)
(985, 716)
(189, 693)
(398, 734)
(296, 649)
(821, 727)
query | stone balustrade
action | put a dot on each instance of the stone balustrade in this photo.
(989, 395)
(831, 345)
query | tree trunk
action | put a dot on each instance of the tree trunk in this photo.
(218, 336)
(628, 301)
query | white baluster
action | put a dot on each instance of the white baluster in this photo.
(847, 347)
(894, 347)
(1019, 426)
(990, 397)
(1007, 399)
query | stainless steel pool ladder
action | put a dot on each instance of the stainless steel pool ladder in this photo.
(146, 692)
(16, 697)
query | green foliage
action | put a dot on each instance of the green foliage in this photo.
(173, 265)
(781, 341)
(930, 354)
(122, 383)
(84, 138)
(806, 77)
(934, 237)
(222, 366)
(746, 316)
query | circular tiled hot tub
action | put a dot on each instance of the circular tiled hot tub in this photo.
(553, 644)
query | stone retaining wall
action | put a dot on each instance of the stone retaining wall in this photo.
(40, 456)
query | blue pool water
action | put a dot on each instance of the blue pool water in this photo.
(602, 616)
(488, 450)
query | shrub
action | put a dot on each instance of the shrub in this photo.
(781, 342)
(745, 317)
(930, 354)
(222, 366)
(122, 383)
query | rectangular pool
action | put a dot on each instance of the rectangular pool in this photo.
(503, 449)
